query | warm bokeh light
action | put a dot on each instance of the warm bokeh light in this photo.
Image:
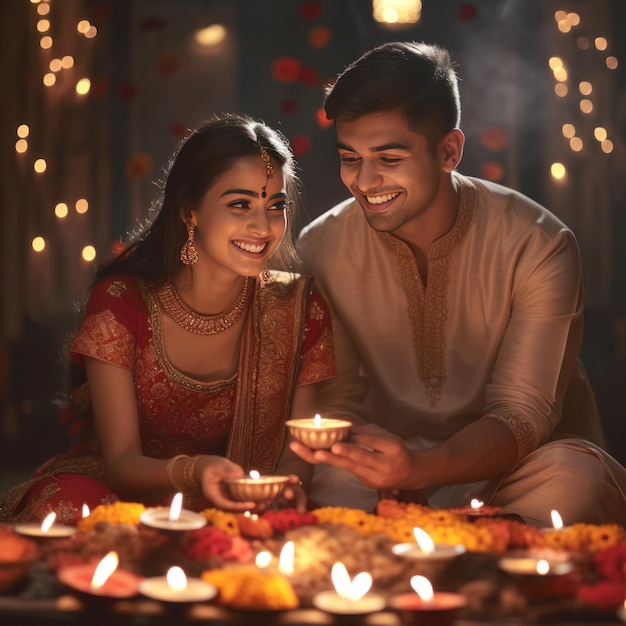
(21, 145)
(81, 206)
(210, 36)
(23, 130)
(83, 86)
(612, 63)
(61, 210)
(560, 16)
(55, 65)
(88, 253)
(560, 74)
(397, 11)
(564, 26)
(600, 133)
(583, 43)
(560, 89)
(46, 42)
(67, 61)
(606, 146)
(573, 19)
(555, 63)
(576, 144)
(568, 130)
(601, 43)
(83, 26)
(49, 79)
(558, 171)
(38, 244)
(40, 166)
(586, 106)
(585, 88)
(43, 8)
(91, 32)
(43, 26)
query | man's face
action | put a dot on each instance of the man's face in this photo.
(389, 168)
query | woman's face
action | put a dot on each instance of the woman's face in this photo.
(237, 229)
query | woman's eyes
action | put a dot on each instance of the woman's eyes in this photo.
(280, 205)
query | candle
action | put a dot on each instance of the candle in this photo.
(534, 566)
(104, 579)
(256, 488)
(350, 596)
(176, 587)
(426, 606)
(47, 529)
(173, 518)
(430, 558)
(318, 432)
(286, 558)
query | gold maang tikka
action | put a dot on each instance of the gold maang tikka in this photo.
(269, 170)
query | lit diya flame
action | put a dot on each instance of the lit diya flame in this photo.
(475, 503)
(255, 475)
(425, 543)
(285, 561)
(317, 420)
(105, 568)
(557, 521)
(46, 525)
(263, 559)
(350, 589)
(86, 511)
(422, 587)
(543, 567)
(176, 579)
(176, 507)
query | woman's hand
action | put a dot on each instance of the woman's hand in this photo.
(295, 495)
(211, 472)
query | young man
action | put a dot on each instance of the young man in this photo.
(457, 316)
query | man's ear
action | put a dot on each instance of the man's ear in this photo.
(452, 149)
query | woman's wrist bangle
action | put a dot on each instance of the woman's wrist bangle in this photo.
(170, 470)
(189, 473)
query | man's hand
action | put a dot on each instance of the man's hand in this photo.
(377, 458)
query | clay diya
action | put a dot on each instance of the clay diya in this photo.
(318, 432)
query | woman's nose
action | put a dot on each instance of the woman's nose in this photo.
(259, 222)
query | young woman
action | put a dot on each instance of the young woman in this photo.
(192, 353)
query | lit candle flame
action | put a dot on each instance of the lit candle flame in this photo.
(86, 511)
(176, 507)
(105, 568)
(176, 579)
(349, 589)
(317, 420)
(543, 567)
(254, 475)
(263, 559)
(475, 503)
(48, 521)
(422, 587)
(426, 544)
(557, 522)
(285, 561)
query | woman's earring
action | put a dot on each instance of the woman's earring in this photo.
(264, 278)
(188, 253)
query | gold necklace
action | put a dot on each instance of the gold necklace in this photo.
(199, 323)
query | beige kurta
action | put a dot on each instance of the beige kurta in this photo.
(496, 331)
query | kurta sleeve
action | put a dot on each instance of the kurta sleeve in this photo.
(109, 329)
(539, 349)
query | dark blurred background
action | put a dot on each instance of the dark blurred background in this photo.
(96, 96)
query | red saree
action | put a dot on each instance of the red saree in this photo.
(287, 342)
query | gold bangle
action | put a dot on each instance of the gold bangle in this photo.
(170, 470)
(188, 473)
